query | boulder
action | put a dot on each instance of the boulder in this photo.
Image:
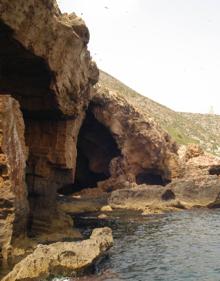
(106, 208)
(196, 192)
(62, 258)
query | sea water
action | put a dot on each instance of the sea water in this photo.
(172, 247)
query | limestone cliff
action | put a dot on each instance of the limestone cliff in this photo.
(46, 67)
(147, 152)
(13, 192)
(72, 136)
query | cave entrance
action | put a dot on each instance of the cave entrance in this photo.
(214, 170)
(96, 148)
(25, 76)
(151, 177)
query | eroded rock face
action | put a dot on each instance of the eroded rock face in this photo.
(148, 155)
(196, 162)
(48, 43)
(76, 136)
(62, 258)
(46, 66)
(13, 192)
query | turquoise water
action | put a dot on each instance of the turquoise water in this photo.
(177, 246)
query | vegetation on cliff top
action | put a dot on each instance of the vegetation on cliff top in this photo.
(183, 127)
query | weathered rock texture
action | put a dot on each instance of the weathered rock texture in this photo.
(76, 136)
(45, 65)
(184, 128)
(196, 163)
(13, 192)
(119, 145)
(66, 258)
(197, 186)
(180, 194)
(147, 154)
(51, 49)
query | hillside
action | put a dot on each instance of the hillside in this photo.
(183, 127)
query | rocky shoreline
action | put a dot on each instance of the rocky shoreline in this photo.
(62, 258)
(70, 145)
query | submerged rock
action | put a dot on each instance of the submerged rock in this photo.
(62, 258)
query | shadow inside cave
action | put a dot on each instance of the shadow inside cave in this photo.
(151, 177)
(96, 148)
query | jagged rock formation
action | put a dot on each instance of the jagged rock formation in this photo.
(75, 136)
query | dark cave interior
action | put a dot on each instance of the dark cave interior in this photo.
(151, 177)
(25, 76)
(215, 170)
(95, 148)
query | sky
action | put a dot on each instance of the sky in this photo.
(167, 50)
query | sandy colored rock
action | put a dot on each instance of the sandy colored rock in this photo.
(50, 72)
(62, 258)
(46, 66)
(201, 191)
(106, 208)
(13, 192)
(145, 148)
(180, 194)
(141, 197)
(61, 41)
(191, 150)
(102, 216)
(197, 163)
(71, 205)
(206, 164)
